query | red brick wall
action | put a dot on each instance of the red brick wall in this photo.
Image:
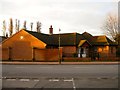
(47, 54)
(21, 50)
(110, 51)
(27, 54)
(4, 53)
(68, 51)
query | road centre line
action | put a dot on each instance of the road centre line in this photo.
(68, 80)
(10, 79)
(25, 80)
(54, 80)
(36, 80)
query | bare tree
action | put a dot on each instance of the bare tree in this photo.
(39, 27)
(18, 25)
(24, 25)
(11, 27)
(110, 26)
(31, 25)
(4, 28)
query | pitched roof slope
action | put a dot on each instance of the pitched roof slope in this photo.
(89, 38)
(43, 37)
(65, 39)
(103, 40)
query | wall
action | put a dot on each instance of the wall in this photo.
(23, 36)
(20, 46)
(21, 50)
(47, 54)
(4, 53)
(68, 51)
(107, 51)
(28, 54)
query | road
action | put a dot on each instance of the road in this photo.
(60, 76)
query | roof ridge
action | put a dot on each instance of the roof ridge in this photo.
(36, 32)
(66, 33)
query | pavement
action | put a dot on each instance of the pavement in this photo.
(57, 63)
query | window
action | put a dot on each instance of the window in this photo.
(100, 49)
(106, 48)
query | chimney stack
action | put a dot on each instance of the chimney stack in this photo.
(51, 30)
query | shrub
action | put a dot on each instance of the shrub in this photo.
(75, 54)
(118, 52)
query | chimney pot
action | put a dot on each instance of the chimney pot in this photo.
(51, 30)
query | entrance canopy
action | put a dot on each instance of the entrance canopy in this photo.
(83, 43)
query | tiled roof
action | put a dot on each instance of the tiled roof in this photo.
(43, 37)
(68, 39)
(89, 38)
(65, 39)
(103, 40)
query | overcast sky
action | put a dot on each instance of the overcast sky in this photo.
(68, 15)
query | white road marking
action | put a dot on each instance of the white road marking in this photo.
(73, 84)
(68, 80)
(37, 80)
(25, 80)
(54, 80)
(4, 77)
(98, 78)
(11, 79)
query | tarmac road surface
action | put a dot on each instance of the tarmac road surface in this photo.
(60, 76)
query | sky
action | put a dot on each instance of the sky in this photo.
(68, 15)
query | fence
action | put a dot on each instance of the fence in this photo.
(31, 54)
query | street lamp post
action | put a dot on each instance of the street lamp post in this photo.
(59, 48)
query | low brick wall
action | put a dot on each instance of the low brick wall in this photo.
(30, 54)
(47, 54)
(109, 59)
(4, 54)
(75, 59)
(69, 59)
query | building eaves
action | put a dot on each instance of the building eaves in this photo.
(43, 37)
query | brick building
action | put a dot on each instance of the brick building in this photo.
(29, 45)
